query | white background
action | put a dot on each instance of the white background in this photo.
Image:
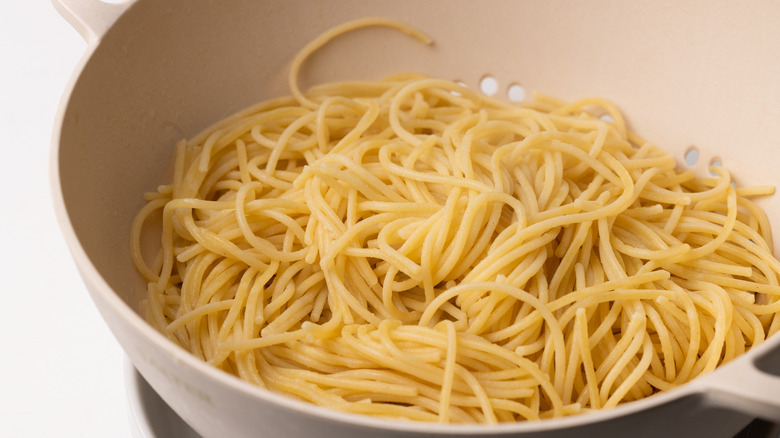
(61, 371)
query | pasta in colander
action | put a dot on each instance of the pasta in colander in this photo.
(409, 248)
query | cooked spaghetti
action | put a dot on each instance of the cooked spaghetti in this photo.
(408, 248)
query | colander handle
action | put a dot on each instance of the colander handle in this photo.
(91, 18)
(746, 388)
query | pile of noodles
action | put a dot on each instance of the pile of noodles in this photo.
(409, 248)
